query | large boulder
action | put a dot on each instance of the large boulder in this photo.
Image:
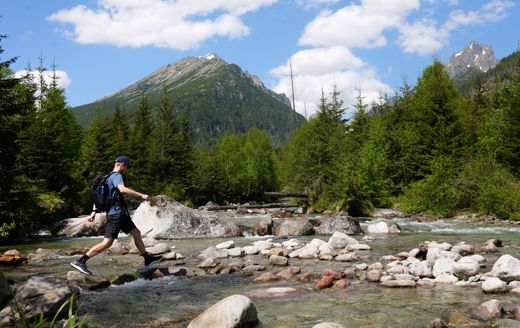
(290, 227)
(165, 218)
(507, 268)
(81, 227)
(383, 228)
(339, 222)
(5, 291)
(40, 295)
(232, 312)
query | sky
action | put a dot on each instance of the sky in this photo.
(361, 47)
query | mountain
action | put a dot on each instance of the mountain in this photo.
(217, 97)
(473, 59)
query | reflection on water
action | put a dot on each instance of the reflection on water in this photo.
(360, 305)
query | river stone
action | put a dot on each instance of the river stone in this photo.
(444, 246)
(328, 325)
(494, 285)
(326, 249)
(339, 222)
(463, 249)
(317, 243)
(42, 254)
(443, 266)
(446, 278)
(214, 253)
(278, 260)
(263, 245)
(275, 292)
(5, 291)
(232, 312)
(507, 323)
(288, 273)
(436, 253)
(507, 268)
(86, 281)
(466, 267)
(81, 227)
(421, 269)
(264, 227)
(226, 245)
(160, 248)
(165, 218)
(399, 284)
(292, 227)
(42, 294)
(341, 240)
(306, 252)
(236, 252)
(383, 228)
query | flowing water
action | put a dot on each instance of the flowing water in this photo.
(177, 300)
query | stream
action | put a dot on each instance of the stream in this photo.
(177, 300)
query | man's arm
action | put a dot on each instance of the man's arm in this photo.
(130, 192)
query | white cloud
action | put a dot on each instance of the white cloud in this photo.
(309, 4)
(422, 37)
(180, 24)
(357, 25)
(322, 68)
(63, 79)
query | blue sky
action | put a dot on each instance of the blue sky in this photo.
(102, 46)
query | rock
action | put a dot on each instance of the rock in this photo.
(436, 253)
(236, 252)
(5, 291)
(292, 227)
(288, 273)
(463, 249)
(446, 278)
(421, 269)
(306, 252)
(160, 248)
(341, 240)
(305, 277)
(340, 222)
(42, 295)
(176, 271)
(213, 253)
(444, 246)
(438, 323)
(233, 311)
(383, 228)
(507, 323)
(507, 268)
(348, 257)
(291, 244)
(118, 248)
(42, 254)
(208, 263)
(443, 266)
(278, 260)
(326, 249)
(494, 285)
(123, 279)
(325, 282)
(86, 281)
(335, 274)
(341, 284)
(226, 245)
(386, 213)
(266, 277)
(81, 227)
(278, 251)
(274, 292)
(494, 307)
(328, 325)
(250, 269)
(399, 284)
(165, 218)
(466, 267)
(374, 275)
(12, 257)
(317, 243)
(264, 227)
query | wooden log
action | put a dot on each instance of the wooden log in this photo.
(286, 194)
(234, 207)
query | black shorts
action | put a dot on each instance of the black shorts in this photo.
(116, 223)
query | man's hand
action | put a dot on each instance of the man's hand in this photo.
(91, 217)
(145, 197)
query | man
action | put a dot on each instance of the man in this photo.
(118, 218)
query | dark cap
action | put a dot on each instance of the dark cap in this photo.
(123, 159)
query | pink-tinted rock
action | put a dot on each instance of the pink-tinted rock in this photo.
(374, 275)
(288, 273)
(335, 274)
(275, 292)
(306, 277)
(494, 308)
(342, 283)
(267, 276)
(325, 282)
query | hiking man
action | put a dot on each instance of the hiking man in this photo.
(118, 218)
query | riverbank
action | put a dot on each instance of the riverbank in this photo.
(177, 300)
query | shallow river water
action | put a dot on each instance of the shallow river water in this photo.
(362, 304)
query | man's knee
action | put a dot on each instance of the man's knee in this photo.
(135, 232)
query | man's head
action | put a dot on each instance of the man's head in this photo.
(122, 163)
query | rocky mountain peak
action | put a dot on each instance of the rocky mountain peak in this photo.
(474, 57)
